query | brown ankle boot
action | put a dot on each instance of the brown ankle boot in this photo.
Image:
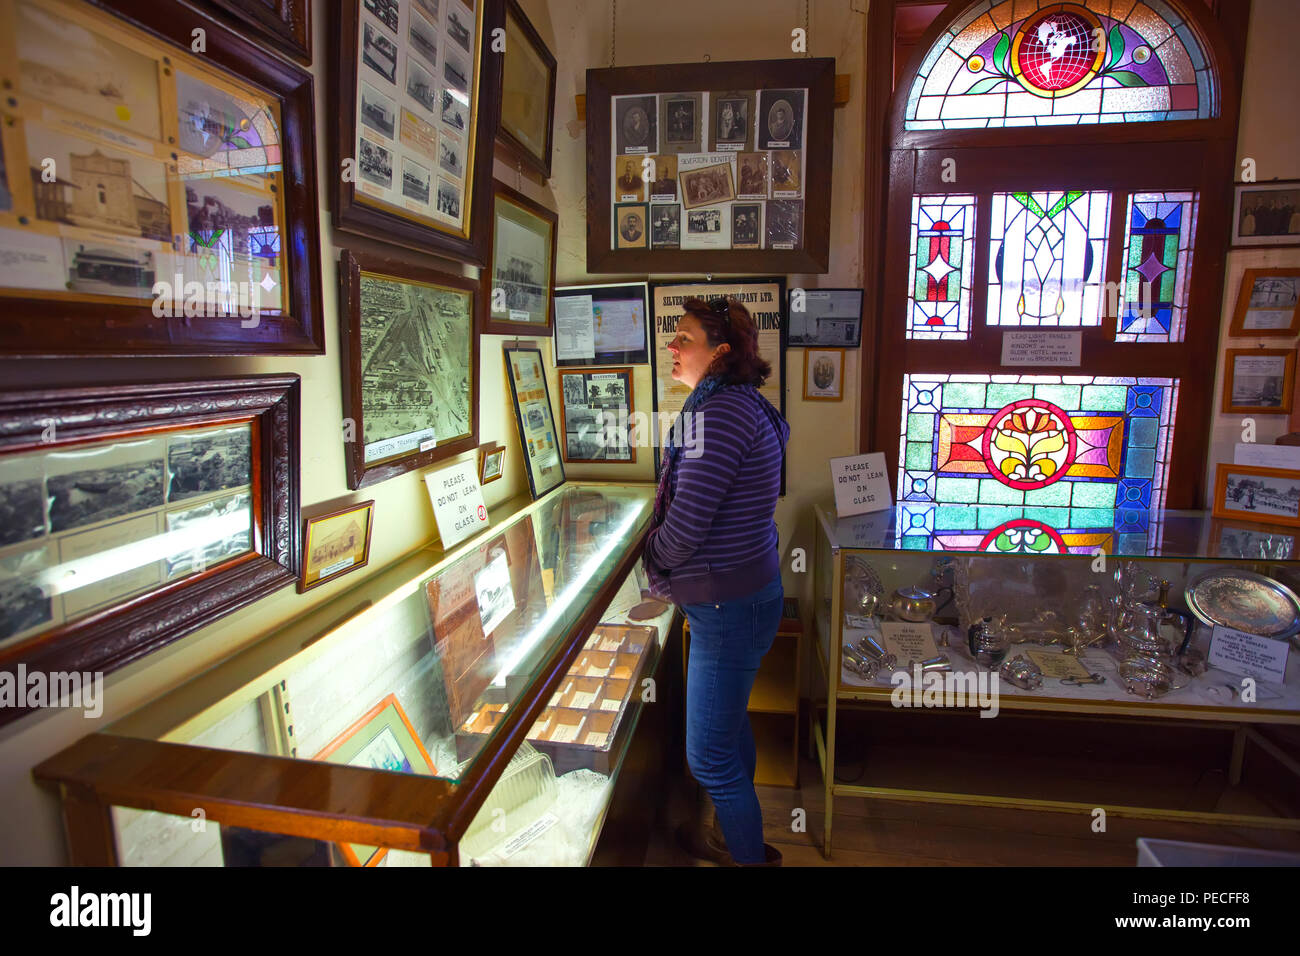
(773, 857)
(703, 844)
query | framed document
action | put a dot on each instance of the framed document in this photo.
(520, 277)
(527, 92)
(1267, 303)
(595, 414)
(1258, 381)
(336, 543)
(601, 324)
(539, 440)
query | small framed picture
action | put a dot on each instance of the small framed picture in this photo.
(490, 463)
(1267, 303)
(825, 318)
(631, 225)
(1238, 539)
(595, 410)
(1258, 381)
(336, 543)
(1267, 214)
(1264, 495)
(823, 375)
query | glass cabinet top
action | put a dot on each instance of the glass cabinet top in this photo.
(432, 643)
(1070, 531)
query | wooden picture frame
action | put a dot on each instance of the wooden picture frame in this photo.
(382, 734)
(539, 442)
(624, 409)
(195, 481)
(338, 534)
(422, 447)
(495, 457)
(823, 365)
(100, 265)
(1277, 203)
(1265, 393)
(434, 126)
(1268, 303)
(1275, 502)
(832, 331)
(284, 25)
(519, 83)
(510, 205)
(808, 82)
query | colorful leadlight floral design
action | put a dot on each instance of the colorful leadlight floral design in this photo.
(940, 267)
(1024, 536)
(1029, 444)
(1157, 266)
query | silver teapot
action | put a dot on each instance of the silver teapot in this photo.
(988, 642)
(913, 604)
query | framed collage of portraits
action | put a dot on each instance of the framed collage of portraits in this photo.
(418, 96)
(520, 278)
(410, 364)
(154, 510)
(538, 438)
(596, 411)
(703, 167)
(172, 206)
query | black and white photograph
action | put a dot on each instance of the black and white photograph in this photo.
(1262, 495)
(420, 85)
(378, 112)
(448, 199)
(628, 184)
(823, 375)
(826, 318)
(784, 224)
(751, 176)
(1259, 545)
(376, 164)
(630, 224)
(386, 10)
(109, 268)
(1258, 380)
(218, 460)
(780, 119)
(424, 39)
(574, 389)
(213, 120)
(430, 7)
(88, 485)
(666, 226)
(1270, 306)
(521, 264)
(681, 120)
(460, 25)
(379, 52)
(24, 605)
(215, 207)
(704, 220)
(596, 415)
(707, 185)
(222, 528)
(6, 197)
(456, 73)
(415, 181)
(681, 117)
(451, 156)
(664, 183)
(454, 112)
(22, 498)
(786, 181)
(1267, 214)
(746, 225)
(1275, 292)
(732, 125)
(636, 124)
(496, 598)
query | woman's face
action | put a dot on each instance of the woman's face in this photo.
(691, 352)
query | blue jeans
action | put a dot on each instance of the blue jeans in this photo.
(728, 641)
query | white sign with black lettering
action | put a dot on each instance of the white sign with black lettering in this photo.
(1248, 654)
(860, 484)
(457, 502)
(1041, 347)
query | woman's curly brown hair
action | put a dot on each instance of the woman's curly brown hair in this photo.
(729, 321)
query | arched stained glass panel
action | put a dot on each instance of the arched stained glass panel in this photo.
(1043, 62)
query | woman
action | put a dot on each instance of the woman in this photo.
(712, 549)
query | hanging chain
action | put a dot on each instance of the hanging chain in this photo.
(613, 35)
(805, 28)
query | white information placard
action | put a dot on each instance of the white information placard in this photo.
(860, 484)
(1248, 654)
(457, 502)
(908, 641)
(1267, 456)
(1041, 347)
(575, 327)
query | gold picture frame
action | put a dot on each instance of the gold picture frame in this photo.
(491, 463)
(1268, 303)
(823, 375)
(335, 544)
(1266, 390)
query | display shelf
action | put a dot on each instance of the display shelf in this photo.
(775, 691)
(778, 759)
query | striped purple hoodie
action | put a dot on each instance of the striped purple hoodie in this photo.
(718, 541)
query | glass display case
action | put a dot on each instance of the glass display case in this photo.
(1126, 615)
(469, 707)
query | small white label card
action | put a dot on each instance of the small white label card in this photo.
(860, 484)
(908, 641)
(457, 502)
(1266, 456)
(1248, 654)
(1041, 347)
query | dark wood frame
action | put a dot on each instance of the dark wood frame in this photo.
(519, 420)
(310, 522)
(41, 327)
(286, 29)
(104, 640)
(785, 327)
(816, 74)
(541, 164)
(1195, 155)
(1288, 384)
(624, 370)
(807, 357)
(1221, 471)
(611, 359)
(386, 225)
(487, 325)
(1243, 305)
(351, 265)
(484, 453)
(1278, 242)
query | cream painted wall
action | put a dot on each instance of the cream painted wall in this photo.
(1271, 136)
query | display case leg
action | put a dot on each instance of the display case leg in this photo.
(1238, 755)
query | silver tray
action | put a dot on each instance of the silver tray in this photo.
(1246, 601)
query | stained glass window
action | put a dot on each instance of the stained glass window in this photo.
(1043, 62)
(1157, 267)
(939, 273)
(1082, 453)
(1048, 258)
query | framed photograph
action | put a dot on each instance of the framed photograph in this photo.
(136, 514)
(1266, 214)
(1258, 381)
(601, 324)
(1267, 303)
(824, 318)
(1264, 495)
(491, 463)
(519, 280)
(410, 366)
(175, 214)
(336, 543)
(595, 414)
(284, 25)
(741, 133)
(823, 375)
(666, 225)
(380, 739)
(539, 440)
(1238, 539)
(426, 187)
(527, 92)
